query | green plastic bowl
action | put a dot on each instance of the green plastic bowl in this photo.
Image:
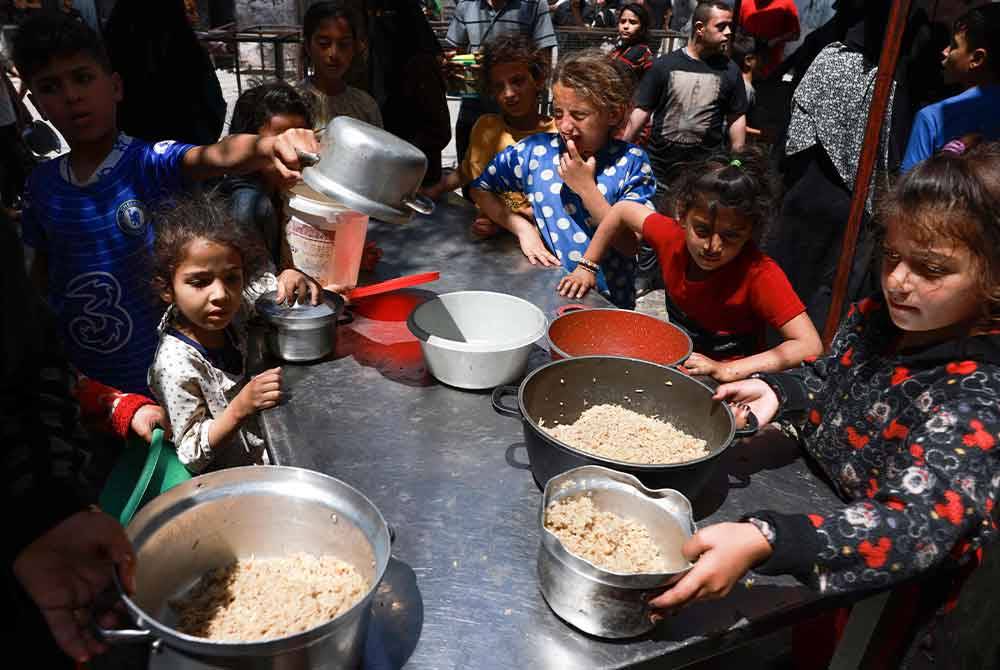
(143, 472)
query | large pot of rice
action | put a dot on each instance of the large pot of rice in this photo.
(258, 567)
(648, 420)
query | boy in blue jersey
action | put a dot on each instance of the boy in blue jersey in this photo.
(972, 60)
(88, 213)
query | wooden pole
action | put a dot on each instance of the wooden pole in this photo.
(898, 15)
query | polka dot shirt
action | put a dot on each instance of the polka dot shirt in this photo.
(531, 167)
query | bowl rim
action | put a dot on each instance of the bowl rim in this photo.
(559, 351)
(429, 339)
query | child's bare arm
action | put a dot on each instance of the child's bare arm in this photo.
(446, 184)
(261, 392)
(624, 217)
(800, 342)
(526, 232)
(237, 154)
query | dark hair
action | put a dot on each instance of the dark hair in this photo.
(703, 11)
(604, 82)
(642, 14)
(50, 35)
(257, 105)
(956, 197)
(741, 46)
(200, 216)
(512, 48)
(320, 12)
(743, 181)
(981, 26)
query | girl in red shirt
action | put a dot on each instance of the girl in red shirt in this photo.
(719, 286)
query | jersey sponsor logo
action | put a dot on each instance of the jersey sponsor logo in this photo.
(132, 217)
(101, 323)
(161, 147)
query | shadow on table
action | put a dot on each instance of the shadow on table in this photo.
(767, 450)
(397, 619)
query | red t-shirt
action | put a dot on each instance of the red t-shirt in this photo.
(742, 297)
(767, 20)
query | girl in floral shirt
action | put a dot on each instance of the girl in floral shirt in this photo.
(903, 415)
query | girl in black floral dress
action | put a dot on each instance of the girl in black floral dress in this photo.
(903, 415)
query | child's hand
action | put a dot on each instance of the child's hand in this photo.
(753, 392)
(483, 228)
(284, 155)
(576, 172)
(148, 417)
(534, 249)
(577, 283)
(697, 364)
(724, 553)
(261, 392)
(294, 286)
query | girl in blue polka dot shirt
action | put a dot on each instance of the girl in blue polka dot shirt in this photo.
(574, 176)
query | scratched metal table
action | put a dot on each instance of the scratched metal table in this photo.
(450, 476)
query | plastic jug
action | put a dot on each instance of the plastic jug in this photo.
(326, 238)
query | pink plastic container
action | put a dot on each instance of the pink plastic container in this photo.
(326, 239)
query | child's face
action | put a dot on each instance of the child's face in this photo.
(578, 119)
(711, 241)
(927, 287)
(79, 97)
(276, 125)
(207, 285)
(332, 48)
(514, 89)
(959, 60)
(628, 25)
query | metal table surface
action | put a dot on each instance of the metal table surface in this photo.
(450, 476)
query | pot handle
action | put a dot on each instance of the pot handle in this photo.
(566, 309)
(104, 603)
(501, 392)
(750, 429)
(420, 204)
(345, 318)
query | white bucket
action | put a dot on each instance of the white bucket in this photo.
(326, 239)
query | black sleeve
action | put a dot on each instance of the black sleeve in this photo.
(736, 102)
(652, 86)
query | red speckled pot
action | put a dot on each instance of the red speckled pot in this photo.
(580, 331)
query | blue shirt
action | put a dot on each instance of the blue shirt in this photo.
(972, 111)
(531, 167)
(98, 239)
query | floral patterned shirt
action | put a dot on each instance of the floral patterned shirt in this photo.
(909, 441)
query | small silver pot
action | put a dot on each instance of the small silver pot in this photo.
(263, 511)
(300, 333)
(595, 600)
(370, 171)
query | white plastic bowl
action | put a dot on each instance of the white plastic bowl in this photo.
(477, 339)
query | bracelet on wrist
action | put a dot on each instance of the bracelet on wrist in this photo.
(589, 265)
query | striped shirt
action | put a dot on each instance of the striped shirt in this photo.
(475, 22)
(98, 237)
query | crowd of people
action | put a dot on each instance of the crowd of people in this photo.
(147, 252)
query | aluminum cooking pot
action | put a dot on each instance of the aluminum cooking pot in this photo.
(300, 333)
(560, 391)
(594, 599)
(582, 331)
(259, 511)
(370, 170)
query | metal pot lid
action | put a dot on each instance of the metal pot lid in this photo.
(327, 310)
(381, 211)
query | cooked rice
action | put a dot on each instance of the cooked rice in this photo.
(261, 598)
(605, 539)
(611, 431)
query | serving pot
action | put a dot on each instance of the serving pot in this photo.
(596, 600)
(300, 333)
(270, 511)
(369, 170)
(477, 339)
(582, 331)
(560, 391)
